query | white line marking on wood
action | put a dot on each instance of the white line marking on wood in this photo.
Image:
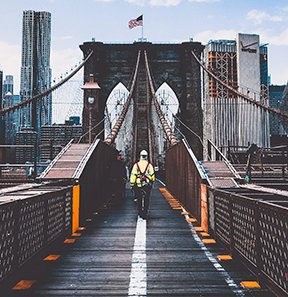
(138, 275)
(230, 282)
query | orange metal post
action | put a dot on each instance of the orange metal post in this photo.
(75, 208)
(204, 208)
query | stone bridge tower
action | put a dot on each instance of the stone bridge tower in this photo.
(170, 63)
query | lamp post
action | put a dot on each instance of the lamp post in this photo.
(90, 106)
(90, 100)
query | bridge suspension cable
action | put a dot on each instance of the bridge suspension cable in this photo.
(166, 127)
(48, 91)
(280, 113)
(91, 129)
(189, 129)
(114, 131)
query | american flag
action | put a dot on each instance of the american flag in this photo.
(136, 22)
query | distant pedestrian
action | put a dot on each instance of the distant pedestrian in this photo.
(118, 179)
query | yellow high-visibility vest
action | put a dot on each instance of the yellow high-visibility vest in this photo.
(135, 177)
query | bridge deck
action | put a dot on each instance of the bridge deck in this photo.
(170, 260)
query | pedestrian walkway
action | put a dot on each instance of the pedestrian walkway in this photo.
(119, 254)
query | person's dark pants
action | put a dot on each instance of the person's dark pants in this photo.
(145, 191)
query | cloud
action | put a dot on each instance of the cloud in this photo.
(259, 16)
(155, 2)
(63, 60)
(280, 40)
(137, 2)
(204, 1)
(164, 2)
(205, 36)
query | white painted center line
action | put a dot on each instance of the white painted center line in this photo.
(138, 277)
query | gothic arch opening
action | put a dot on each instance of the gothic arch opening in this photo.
(113, 109)
(114, 106)
(169, 103)
(170, 107)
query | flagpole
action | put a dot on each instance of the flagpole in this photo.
(142, 28)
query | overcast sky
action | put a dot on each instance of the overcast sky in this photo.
(77, 21)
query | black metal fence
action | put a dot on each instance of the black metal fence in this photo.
(256, 231)
(35, 216)
(253, 230)
(30, 220)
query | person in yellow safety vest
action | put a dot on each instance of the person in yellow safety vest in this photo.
(141, 181)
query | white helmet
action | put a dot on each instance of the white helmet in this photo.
(143, 153)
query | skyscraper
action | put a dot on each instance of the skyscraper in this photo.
(1, 88)
(35, 68)
(1, 118)
(276, 100)
(11, 119)
(7, 85)
(242, 64)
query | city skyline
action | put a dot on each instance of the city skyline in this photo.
(164, 21)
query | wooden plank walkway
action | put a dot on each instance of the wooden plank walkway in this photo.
(119, 254)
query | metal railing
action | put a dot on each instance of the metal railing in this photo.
(31, 220)
(256, 231)
(215, 154)
(91, 170)
(184, 177)
(33, 217)
(264, 162)
(94, 175)
(253, 230)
